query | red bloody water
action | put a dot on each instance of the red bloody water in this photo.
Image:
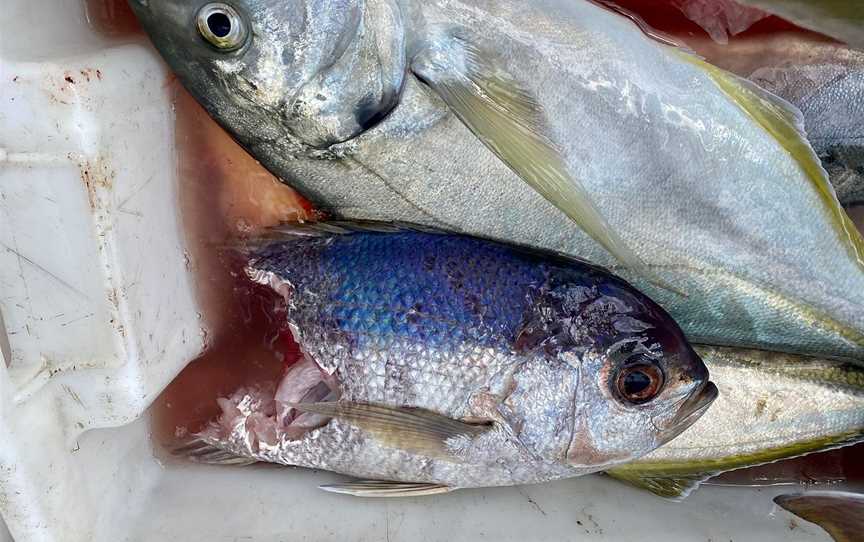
(836, 466)
(225, 195)
(665, 16)
(111, 17)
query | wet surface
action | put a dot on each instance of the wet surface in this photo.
(668, 17)
(225, 196)
(113, 18)
(835, 467)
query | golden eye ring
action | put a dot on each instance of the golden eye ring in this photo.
(222, 26)
(639, 382)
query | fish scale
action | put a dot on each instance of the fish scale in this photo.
(417, 332)
(471, 346)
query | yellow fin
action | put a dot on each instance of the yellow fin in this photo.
(840, 513)
(509, 121)
(406, 428)
(785, 124)
(671, 487)
(675, 479)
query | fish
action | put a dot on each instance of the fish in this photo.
(435, 361)
(826, 83)
(823, 80)
(839, 19)
(771, 406)
(839, 513)
(554, 124)
(720, 18)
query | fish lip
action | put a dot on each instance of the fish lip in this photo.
(692, 409)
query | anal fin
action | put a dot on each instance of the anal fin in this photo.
(201, 451)
(674, 487)
(386, 489)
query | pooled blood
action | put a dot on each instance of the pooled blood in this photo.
(666, 16)
(225, 195)
(825, 468)
(113, 18)
(253, 348)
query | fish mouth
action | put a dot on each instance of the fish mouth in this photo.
(692, 409)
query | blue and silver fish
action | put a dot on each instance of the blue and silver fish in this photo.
(438, 361)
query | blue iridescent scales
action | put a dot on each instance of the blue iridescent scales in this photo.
(396, 315)
(425, 286)
(430, 287)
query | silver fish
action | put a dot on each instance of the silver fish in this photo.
(438, 361)
(512, 120)
(771, 407)
(826, 83)
(840, 19)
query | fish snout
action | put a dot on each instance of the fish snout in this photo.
(690, 410)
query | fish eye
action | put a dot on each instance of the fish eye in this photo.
(639, 380)
(222, 26)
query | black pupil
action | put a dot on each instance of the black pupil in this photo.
(219, 24)
(636, 382)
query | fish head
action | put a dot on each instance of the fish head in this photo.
(309, 72)
(641, 383)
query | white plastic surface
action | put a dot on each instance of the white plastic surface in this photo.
(97, 304)
(98, 315)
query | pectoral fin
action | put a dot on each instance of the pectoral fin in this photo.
(510, 121)
(383, 488)
(671, 487)
(414, 429)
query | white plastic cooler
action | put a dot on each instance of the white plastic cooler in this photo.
(99, 314)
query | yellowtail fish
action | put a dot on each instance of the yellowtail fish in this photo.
(771, 407)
